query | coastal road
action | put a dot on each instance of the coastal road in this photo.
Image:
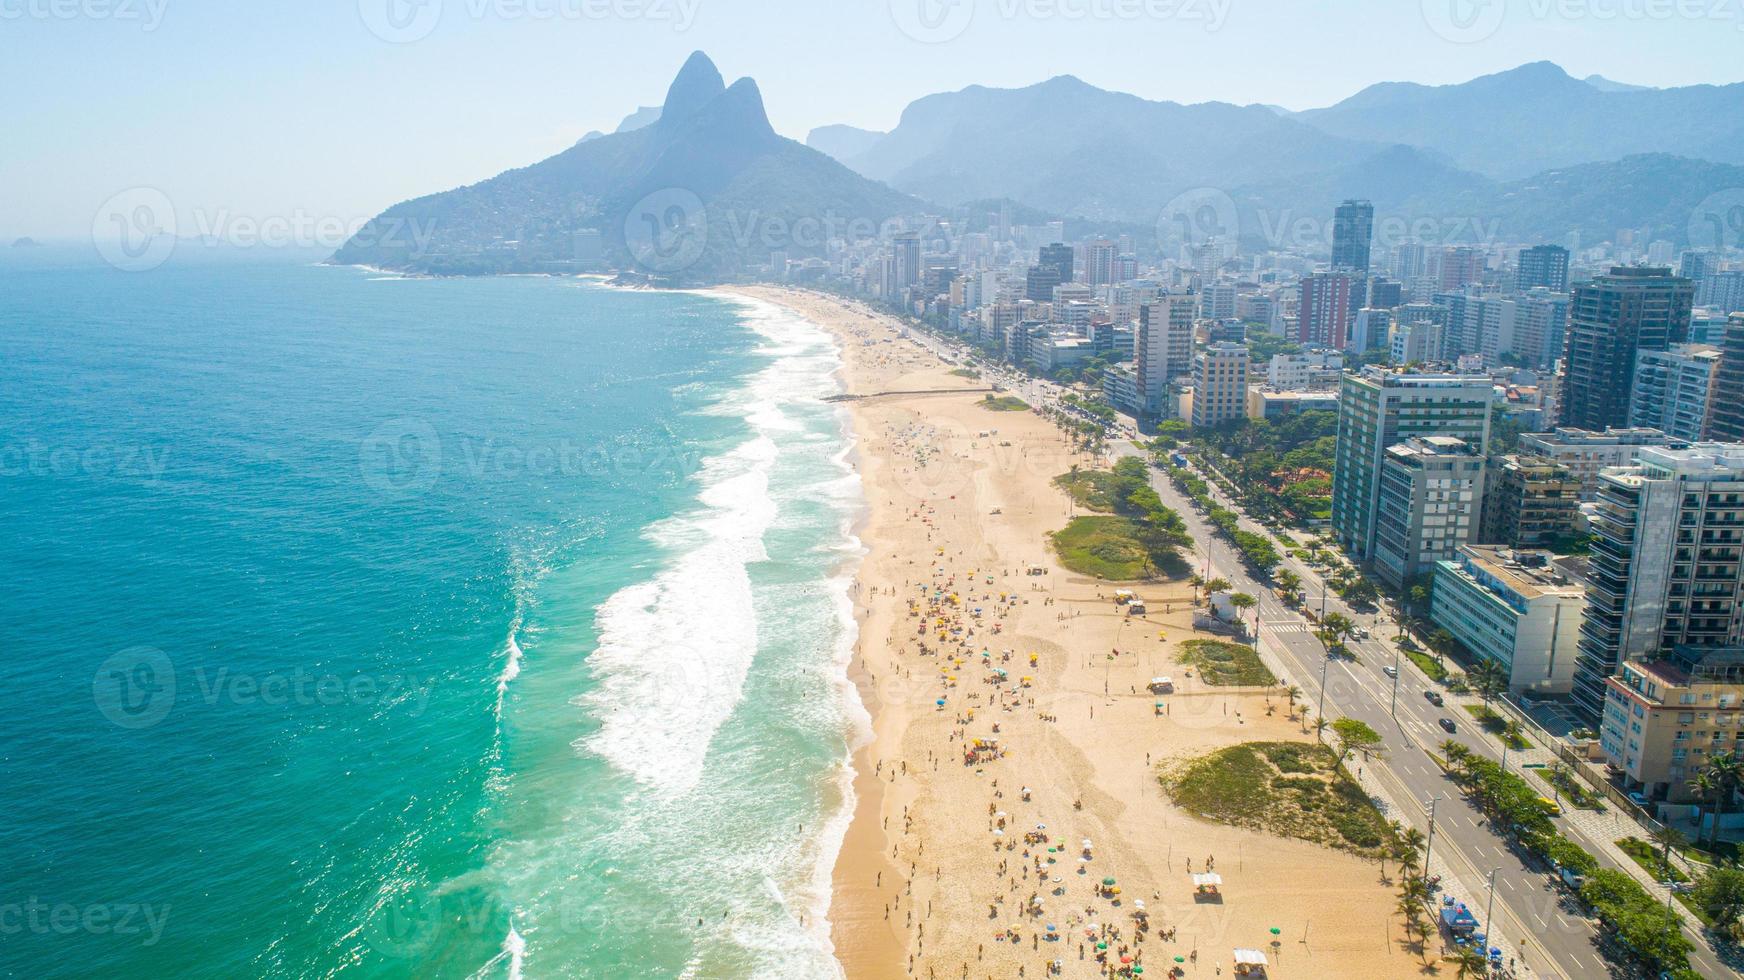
(1532, 914)
(1417, 721)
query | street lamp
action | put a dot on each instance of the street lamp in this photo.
(1489, 905)
(1394, 710)
(1429, 844)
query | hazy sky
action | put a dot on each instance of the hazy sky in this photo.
(316, 112)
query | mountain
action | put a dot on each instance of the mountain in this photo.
(705, 192)
(1071, 148)
(1536, 117)
(646, 115)
(1604, 84)
(842, 142)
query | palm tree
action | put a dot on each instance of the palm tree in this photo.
(1468, 962)
(1724, 772)
(1488, 678)
(1196, 581)
(1441, 643)
(1455, 753)
(1320, 726)
(1667, 838)
(1243, 602)
(1292, 692)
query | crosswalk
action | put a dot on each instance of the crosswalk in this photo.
(1293, 627)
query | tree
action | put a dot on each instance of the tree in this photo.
(1720, 893)
(1441, 643)
(1467, 962)
(1724, 771)
(1487, 677)
(1666, 838)
(1335, 629)
(1355, 736)
(1289, 585)
(1455, 753)
(1292, 692)
(1242, 603)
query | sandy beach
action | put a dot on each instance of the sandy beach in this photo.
(946, 870)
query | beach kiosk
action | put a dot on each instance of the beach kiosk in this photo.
(1250, 963)
(1162, 685)
(1458, 919)
(1207, 886)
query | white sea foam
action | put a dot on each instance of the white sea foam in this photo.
(676, 649)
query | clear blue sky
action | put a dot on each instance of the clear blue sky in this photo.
(272, 108)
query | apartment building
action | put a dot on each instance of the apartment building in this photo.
(1515, 608)
(1665, 718)
(1427, 507)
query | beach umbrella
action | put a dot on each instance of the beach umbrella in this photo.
(1051, 927)
(941, 702)
(1101, 945)
(1276, 930)
(1108, 881)
(1137, 969)
(1180, 959)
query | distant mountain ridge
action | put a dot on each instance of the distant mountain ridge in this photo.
(1535, 117)
(1497, 148)
(704, 191)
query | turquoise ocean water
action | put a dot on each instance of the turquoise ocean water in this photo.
(369, 626)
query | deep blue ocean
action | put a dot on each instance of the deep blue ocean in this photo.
(368, 626)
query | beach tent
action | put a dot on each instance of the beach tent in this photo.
(1207, 883)
(1250, 962)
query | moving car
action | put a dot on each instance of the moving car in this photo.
(1447, 725)
(1390, 670)
(1434, 697)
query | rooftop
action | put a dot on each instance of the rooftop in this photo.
(1528, 573)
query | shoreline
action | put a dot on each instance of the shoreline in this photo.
(960, 499)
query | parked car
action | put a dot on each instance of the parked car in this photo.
(1435, 698)
(1362, 633)
(1447, 725)
(1639, 800)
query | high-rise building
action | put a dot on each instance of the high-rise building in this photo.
(1726, 421)
(1585, 454)
(1384, 294)
(1373, 330)
(1427, 505)
(1323, 314)
(1461, 266)
(1543, 267)
(1611, 319)
(1219, 384)
(1514, 608)
(1039, 283)
(1353, 225)
(1163, 348)
(1380, 408)
(1416, 342)
(1058, 256)
(1668, 534)
(1673, 390)
(907, 252)
(1099, 262)
(1540, 325)
(1217, 301)
(1724, 291)
(1529, 502)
